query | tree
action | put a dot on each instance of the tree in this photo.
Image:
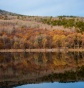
(44, 42)
(4, 37)
(56, 41)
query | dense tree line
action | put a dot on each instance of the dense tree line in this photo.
(39, 38)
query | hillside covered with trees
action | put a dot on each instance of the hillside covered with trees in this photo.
(29, 32)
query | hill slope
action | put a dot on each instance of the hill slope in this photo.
(3, 12)
(67, 23)
(20, 31)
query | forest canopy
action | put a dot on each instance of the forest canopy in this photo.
(29, 32)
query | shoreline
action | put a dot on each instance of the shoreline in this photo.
(42, 50)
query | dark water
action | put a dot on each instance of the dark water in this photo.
(42, 70)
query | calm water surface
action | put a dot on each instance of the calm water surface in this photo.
(54, 85)
(42, 70)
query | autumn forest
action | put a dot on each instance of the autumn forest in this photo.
(35, 32)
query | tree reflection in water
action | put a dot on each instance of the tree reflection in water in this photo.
(27, 68)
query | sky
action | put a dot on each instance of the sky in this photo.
(44, 7)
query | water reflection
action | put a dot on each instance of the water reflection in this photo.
(29, 68)
(54, 85)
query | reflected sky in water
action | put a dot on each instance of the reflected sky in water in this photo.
(54, 85)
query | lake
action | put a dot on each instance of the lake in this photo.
(42, 70)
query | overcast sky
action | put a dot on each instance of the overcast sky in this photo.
(44, 7)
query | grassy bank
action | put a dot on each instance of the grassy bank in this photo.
(41, 50)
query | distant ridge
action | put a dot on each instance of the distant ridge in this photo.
(3, 12)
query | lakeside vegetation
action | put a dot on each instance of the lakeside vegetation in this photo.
(35, 32)
(37, 38)
(35, 49)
